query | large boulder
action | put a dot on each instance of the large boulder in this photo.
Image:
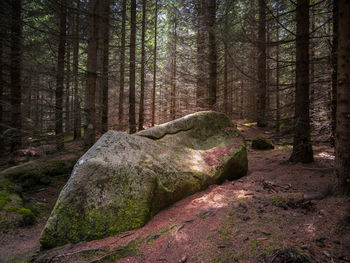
(123, 180)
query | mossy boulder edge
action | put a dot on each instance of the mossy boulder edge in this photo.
(123, 180)
(261, 143)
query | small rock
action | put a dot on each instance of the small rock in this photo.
(327, 253)
(183, 259)
(303, 246)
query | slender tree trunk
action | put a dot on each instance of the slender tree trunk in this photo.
(77, 118)
(132, 117)
(225, 80)
(122, 67)
(90, 134)
(105, 65)
(334, 72)
(154, 65)
(277, 88)
(312, 70)
(15, 73)
(201, 89)
(302, 148)
(342, 139)
(262, 66)
(2, 81)
(60, 76)
(143, 62)
(212, 56)
(278, 114)
(68, 76)
(241, 101)
(173, 82)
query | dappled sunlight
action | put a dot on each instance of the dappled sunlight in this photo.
(326, 155)
(196, 160)
(215, 200)
(210, 200)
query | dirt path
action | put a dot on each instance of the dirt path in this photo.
(233, 222)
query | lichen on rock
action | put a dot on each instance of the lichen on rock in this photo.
(123, 180)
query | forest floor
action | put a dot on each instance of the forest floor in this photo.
(271, 212)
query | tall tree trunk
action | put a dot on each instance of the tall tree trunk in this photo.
(342, 139)
(173, 82)
(277, 88)
(143, 62)
(132, 117)
(212, 56)
(77, 118)
(154, 65)
(105, 65)
(90, 134)
(262, 66)
(302, 148)
(201, 89)
(68, 75)
(312, 70)
(225, 79)
(15, 73)
(334, 72)
(60, 76)
(241, 104)
(122, 68)
(2, 80)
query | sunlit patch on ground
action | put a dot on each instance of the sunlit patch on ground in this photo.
(326, 155)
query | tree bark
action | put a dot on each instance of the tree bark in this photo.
(122, 68)
(77, 118)
(15, 73)
(262, 66)
(2, 80)
(277, 89)
(67, 128)
(60, 76)
(90, 134)
(154, 65)
(302, 148)
(132, 117)
(105, 65)
(201, 89)
(334, 72)
(173, 81)
(226, 105)
(212, 56)
(342, 139)
(143, 62)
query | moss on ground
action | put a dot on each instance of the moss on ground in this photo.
(17, 211)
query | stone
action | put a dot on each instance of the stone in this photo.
(260, 143)
(123, 180)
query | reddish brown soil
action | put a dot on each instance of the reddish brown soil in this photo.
(233, 222)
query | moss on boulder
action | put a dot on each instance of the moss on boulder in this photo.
(261, 143)
(123, 180)
(35, 174)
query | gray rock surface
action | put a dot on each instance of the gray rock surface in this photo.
(123, 180)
